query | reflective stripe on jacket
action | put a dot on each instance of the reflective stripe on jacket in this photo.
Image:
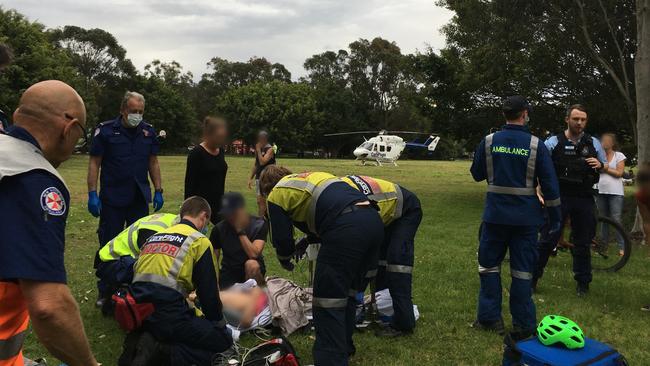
(168, 258)
(388, 195)
(14, 320)
(126, 242)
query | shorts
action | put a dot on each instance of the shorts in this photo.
(229, 276)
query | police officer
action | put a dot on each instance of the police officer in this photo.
(578, 159)
(513, 162)
(114, 261)
(350, 230)
(401, 213)
(172, 264)
(264, 157)
(125, 150)
(35, 202)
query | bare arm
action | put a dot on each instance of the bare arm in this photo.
(267, 157)
(154, 172)
(619, 171)
(57, 322)
(93, 172)
(253, 249)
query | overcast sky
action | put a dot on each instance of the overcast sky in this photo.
(285, 31)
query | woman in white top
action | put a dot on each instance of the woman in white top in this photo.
(610, 188)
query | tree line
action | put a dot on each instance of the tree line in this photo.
(554, 52)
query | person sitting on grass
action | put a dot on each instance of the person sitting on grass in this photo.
(241, 238)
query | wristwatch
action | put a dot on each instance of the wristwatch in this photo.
(241, 233)
(159, 190)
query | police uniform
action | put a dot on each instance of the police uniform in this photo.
(33, 235)
(115, 259)
(513, 162)
(125, 192)
(173, 263)
(401, 213)
(577, 180)
(321, 205)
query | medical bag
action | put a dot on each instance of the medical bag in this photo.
(129, 314)
(531, 352)
(276, 352)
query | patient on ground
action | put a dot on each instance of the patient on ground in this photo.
(241, 304)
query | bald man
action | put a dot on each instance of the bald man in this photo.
(34, 202)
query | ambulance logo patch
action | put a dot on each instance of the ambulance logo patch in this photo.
(52, 202)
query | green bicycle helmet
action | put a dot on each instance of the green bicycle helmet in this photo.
(555, 329)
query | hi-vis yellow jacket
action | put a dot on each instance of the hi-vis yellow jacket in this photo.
(388, 195)
(298, 194)
(126, 242)
(168, 258)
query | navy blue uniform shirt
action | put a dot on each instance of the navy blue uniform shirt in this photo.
(331, 202)
(125, 156)
(510, 153)
(34, 207)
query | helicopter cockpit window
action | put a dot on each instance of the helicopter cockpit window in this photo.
(367, 145)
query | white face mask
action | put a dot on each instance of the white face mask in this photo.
(133, 119)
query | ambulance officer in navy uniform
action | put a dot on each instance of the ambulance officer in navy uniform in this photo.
(125, 151)
(514, 163)
(579, 159)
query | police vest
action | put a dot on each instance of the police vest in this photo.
(126, 242)
(529, 189)
(573, 172)
(20, 156)
(168, 258)
(387, 195)
(298, 195)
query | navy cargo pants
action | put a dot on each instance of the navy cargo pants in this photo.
(580, 211)
(496, 240)
(350, 249)
(113, 219)
(396, 262)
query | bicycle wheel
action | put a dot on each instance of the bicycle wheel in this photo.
(605, 249)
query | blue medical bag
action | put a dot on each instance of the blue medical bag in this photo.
(530, 352)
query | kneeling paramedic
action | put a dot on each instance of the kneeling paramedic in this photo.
(173, 263)
(513, 162)
(114, 261)
(401, 213)
(350, 231)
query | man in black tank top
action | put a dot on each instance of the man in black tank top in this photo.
(264, 156)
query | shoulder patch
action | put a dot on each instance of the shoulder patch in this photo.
(53, 202)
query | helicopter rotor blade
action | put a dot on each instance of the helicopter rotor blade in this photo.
(349, 133)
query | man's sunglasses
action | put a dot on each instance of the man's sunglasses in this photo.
(83, 140)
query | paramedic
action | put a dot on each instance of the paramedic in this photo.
(350, 230)
(513, 162)
(125, 149)
(401, 212)
(579, 159)
(34, 201)
(114, 261)
(173, 263)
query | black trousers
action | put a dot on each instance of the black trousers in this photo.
(580, 210)
(350, 249)
(396, 259)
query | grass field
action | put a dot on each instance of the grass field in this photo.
(445, 279)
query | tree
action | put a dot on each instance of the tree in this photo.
(289, 111)
(642, 78)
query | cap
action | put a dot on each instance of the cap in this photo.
(231, 202)
(516, 103)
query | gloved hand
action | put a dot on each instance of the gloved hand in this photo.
(94, 204)
(301, 248)
(158, 201)
(286, 264)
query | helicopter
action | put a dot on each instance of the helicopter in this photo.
(387, 147)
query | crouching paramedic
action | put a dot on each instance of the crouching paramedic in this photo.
(114, 261)
(401, 213)
(350, 230)
(173, 263)
(513, 162)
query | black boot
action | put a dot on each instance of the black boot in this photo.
(582, 289)
(496, 326)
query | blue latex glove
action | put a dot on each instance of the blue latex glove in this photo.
(94, 204)
(158, 201)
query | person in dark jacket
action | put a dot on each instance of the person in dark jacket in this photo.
(205, 175)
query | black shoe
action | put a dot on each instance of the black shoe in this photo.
(582, 289)
(497, 326)
(390, 332)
